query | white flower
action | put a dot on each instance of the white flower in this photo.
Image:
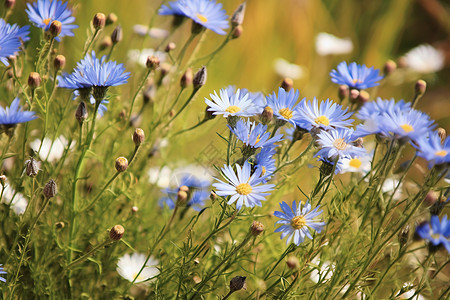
(286, 69)
(410, 293)
(360, 164)
(425, 59)
(324, 274)
(51, 152)
(327, 44)
(140, 56)
(156, 33)
(165, 177)
(19, 202)
(160, 176)
(389, 186)
(129, 266)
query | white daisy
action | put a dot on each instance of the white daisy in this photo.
(327, 44)
(237, 104)
(285, 69)
(156, 33)
(360, 164)
(425, 59)
(19, 202)
(129, 266)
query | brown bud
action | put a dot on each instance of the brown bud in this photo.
(121, 164)
(256, 228)
(111, 19)
(267, 115)
(209, 115)
(238, 283)
(99, 21)
(34, 80)
(358, 142)
(238, 16)
(182, 196)
(134, 209)
(59, 62)
(50, 189)
(237, 32)
(343, 92)
(153, 62)
(292, 262)
(420, 87)
(31, 168)
(442, 134)
(2, 179)
(81, 112)
(213, 196)
(9, 4)
(138, 136)
(403, 236)
(199, 78)
(184, 188)
(116, 233)
(59, 225)
(287, 84)
(389, 67)
(187, 78)
(105, 43)
(354, 95)
(117, 35)
(363, 97)
(55, 28)
(170, 47)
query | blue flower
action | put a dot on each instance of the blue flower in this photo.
(284, 106)
(11, 38)
(257, 98)
(10, 116)
(380, 106)
(355, 76)
(297, 222)
(206, 13)
(438, 233)
(412, 124)
(237, 104)
(2, 272)
(338, 143)
(327, 115)
(265, 162)
(43, 12)
(433, 150)
(254, 135)
(244, 188)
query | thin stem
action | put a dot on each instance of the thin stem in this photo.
(90, 42)
(80, 259)
(183, 107)
(137, 92)
(288, 250)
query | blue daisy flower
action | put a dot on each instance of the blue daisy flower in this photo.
(337, 143)
(325, 115)
(412, 124)
(284, 106)
(257, 98)
(245, 189)
(11, 38)
(265, 162)
(355, 76)
(172, 8)
(297, 222)
(380, 106)
(43, 12)
(2, 272)
(13, 115)
(254, 135)
(237, 104)
(433, 150)
(438, 233)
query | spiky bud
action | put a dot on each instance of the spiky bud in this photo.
(442, 134)
(287, 84)
(343, 92)
(81, 112)
(153, 62)
(170, 47)
(238, 283)
(116, 233)
(31, 167)
(256, 228)
(187, 78)
(237, 32)
(59, 62)
(389, 67)
(121, 164)
(238, 16)
(55, 28)
(420, 87)
(111, 19)
(50, 189)
(199, 78)
(292, 262)
(99, 21)
(117, 35)
(34, 80)
(138, 136)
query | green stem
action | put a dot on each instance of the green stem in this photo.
(183, 107)
(183, 50)
(80, 259)
(297, 158)
(137, 92)
(288, 250)
(90, 42)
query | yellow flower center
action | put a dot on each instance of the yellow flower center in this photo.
(244, 189)
(257, 139)
(357, 81)
(233, 109)
(340, 144)
(263, 170)
(298, 222)
(139, 278)
(47, 21)
(435, 236)
(355, 163)
(441, 153)
(202, 18)
(407, 128)
(322, 120)
(285, 113)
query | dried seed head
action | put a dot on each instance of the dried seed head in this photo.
(238, 16)
(59, 62)
(287, 84)
(138, 136)
(267, 115)
(170, 47)
(389, 67)
(116, 233)
(237, 32)
(256, 228)
(117, 35)
(31, 167)
(81, 112)
(121, 164)
(34, 80)
(153, 62)
(238, 283)
(343, 92)
(187, 78)
(50, 189)
(55, 28)
(420, 87)
(111, 19)
(99, 21)
(199, 78)
(292, 262)
(442, 134)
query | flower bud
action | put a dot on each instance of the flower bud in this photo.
(9, 4)
(2, 180)
(170, 47)
(344, 92)
(403, 236)
(209, 115)
(134, 209)
(34, 80)
(55, 28)
(121, 164)
(138, 136)
(111, 19)
(182, 196)
(50, 189)
(187, 78)
(358, 142)
(105, 43)
(431, 198)
(363, 97)
(256, 228)
(31, 167)
(326, 168)
(212, 196)
(354, 95)
(420, 87)
(59, 62)
(199, 78)
(287, 84)
(153, 62)
(99, 21)
(238, 16)
(299, 132)
(59, 225)
(184, 188)
(238, 283)
(237, 32)
(389, 67)
(116, 233)
(442, 134)
(81, 112)
(293, 263)
(117, 35)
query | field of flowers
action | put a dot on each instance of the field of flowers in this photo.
(192, 149)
